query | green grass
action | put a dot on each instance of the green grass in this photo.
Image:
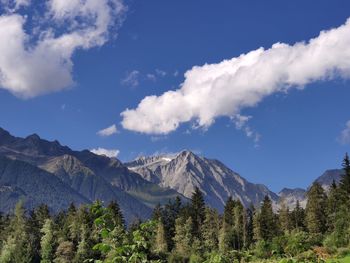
(341, 260)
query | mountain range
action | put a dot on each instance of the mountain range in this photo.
(40, 171)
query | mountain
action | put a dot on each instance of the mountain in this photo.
(84, 173)
(290, 196)
(326, 179)
(185, 171)
(21, 180)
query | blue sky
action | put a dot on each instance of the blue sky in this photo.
(294, 134)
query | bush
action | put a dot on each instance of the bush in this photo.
(307, 256)
(343, 252)
(263, 249)
(297, 242)
(176, 258)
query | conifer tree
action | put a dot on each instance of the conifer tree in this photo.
(47, 242)
(183, 236)
(266, 221)
(161, 245)
(210, 230)
(197, 212)
(344, 184)
(17, 247)
(284, 217)
(298, 217)
(333, 205)
(316, 209)
(239, 225)
(228, 211)
(116, 214)
(83, 248)
(64, 252)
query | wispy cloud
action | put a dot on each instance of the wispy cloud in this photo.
(224, 89)
(37, 59)
(112, 153)
(131, 79)
(108, 131)
(241, 123)
(344, 137)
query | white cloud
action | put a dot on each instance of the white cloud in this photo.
(131, 79)
(344, 137)
(241, 123)
(111, 153)
(225, 88)
(108, 131)
(39, 61)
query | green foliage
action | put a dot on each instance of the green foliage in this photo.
(316, 210)
(47, 242)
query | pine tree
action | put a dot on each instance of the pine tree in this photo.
(239, 226)
(344, 184)
(197, 212)
(183, 236)
(47, 242)
(161, 245)
(266, 221)
(249, 234)
(333, 206)
(116, 214)
(228, 211)
(210, 230)
(83, 248)
(298, 217)
(64, 252)
(316, 209)
(284, 217)
(17, 247)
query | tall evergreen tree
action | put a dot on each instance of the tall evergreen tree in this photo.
(183, 238)
(197, 212)
(344, 184)
(298, 217)
(116, 214)
(161, 245)
(47, 242)
(284, 217)
(333, 204)
(17, 247)
(266, 222)
(210, 230)
(316, 209)
(239, 226)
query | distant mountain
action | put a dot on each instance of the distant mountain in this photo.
(290, 196)
(326, 179)
(185, 171)
(21, 180)
(83, 173)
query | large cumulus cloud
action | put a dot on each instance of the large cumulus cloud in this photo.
(36, 59)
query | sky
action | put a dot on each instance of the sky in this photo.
(263, 86)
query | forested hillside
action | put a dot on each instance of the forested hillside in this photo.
(190, 232)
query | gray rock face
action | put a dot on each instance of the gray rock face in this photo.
(291, 196)
(186, 170)
(326, 179)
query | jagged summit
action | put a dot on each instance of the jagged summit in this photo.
(185, 171)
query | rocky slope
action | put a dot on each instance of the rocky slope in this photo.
(186, 170)
(88, 175)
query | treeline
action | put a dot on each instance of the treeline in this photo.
(180, 232)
